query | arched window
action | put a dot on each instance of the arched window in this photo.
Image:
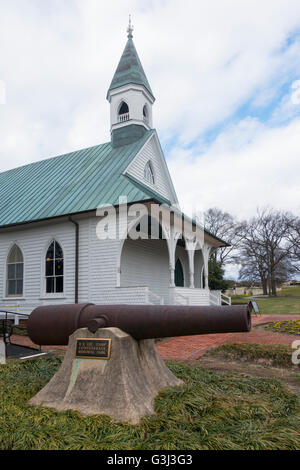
(149, 173)
(145, 113)
(123, 112)
(15, 272)
(54, 269)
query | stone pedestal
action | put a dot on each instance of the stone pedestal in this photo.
(123, 387)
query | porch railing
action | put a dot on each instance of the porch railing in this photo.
(216, 297)
(124, 117)
(225, 299)
(15, 314)
(183, 300)
(177, 298)
(6, 323)
(155, 299)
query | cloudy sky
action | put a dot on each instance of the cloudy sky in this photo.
(225, 73)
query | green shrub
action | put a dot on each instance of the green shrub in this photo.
(211, 411)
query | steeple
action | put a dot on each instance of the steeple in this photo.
(130, 69)
(130, 97)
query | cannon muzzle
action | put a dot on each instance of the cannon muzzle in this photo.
(52, 325)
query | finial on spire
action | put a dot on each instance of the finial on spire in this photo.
(130, 29)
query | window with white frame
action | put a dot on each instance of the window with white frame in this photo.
(54, 269)
(149, 173)
(15, 272)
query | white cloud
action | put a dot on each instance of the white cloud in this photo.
(295, 98)
(249, 165)
(203, 61)
(232, 271)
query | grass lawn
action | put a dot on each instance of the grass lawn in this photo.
(279, 305)
(212, 411)
(292, 290)
(17, 331)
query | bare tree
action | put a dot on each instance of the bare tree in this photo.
(294, 239)
(267, 246)
(266, 243)
(285, 271)
(255, 270)
(251, 256)
(223, 225)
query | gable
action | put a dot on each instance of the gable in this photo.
(151, 152)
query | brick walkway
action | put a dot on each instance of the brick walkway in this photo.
(25, 341)
(193, 347)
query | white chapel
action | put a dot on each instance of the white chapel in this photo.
(53, 221)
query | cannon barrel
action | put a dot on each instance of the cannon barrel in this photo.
(52, 325)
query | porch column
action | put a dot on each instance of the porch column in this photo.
(172, 275)
(171, 238)
(206, 277)
(190, 247)
(206, 252)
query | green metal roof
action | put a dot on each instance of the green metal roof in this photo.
(76, 182)
(130, 69)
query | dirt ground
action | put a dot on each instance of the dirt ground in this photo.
(291, 377)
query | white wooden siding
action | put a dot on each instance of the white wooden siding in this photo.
(102, 261)
(162, 183)
(144, 266)
(146, 263)
(194, 296)
(34, 242)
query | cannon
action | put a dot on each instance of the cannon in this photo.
(52, 325)
(123, 379)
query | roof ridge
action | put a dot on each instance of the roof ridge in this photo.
(47, 159)
(60, 186)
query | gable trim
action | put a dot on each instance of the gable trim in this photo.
(166, 174)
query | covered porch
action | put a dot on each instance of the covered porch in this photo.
(169, 269)
(142, 295)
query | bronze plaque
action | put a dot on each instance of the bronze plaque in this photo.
(98, 348)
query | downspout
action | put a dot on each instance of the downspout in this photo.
(76, 257)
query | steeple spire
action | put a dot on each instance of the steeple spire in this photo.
(130, 97)
(130, 29)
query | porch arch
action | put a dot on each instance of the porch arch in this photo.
(145, 262)
(182, 256)
(179, 274)
(199, 269)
